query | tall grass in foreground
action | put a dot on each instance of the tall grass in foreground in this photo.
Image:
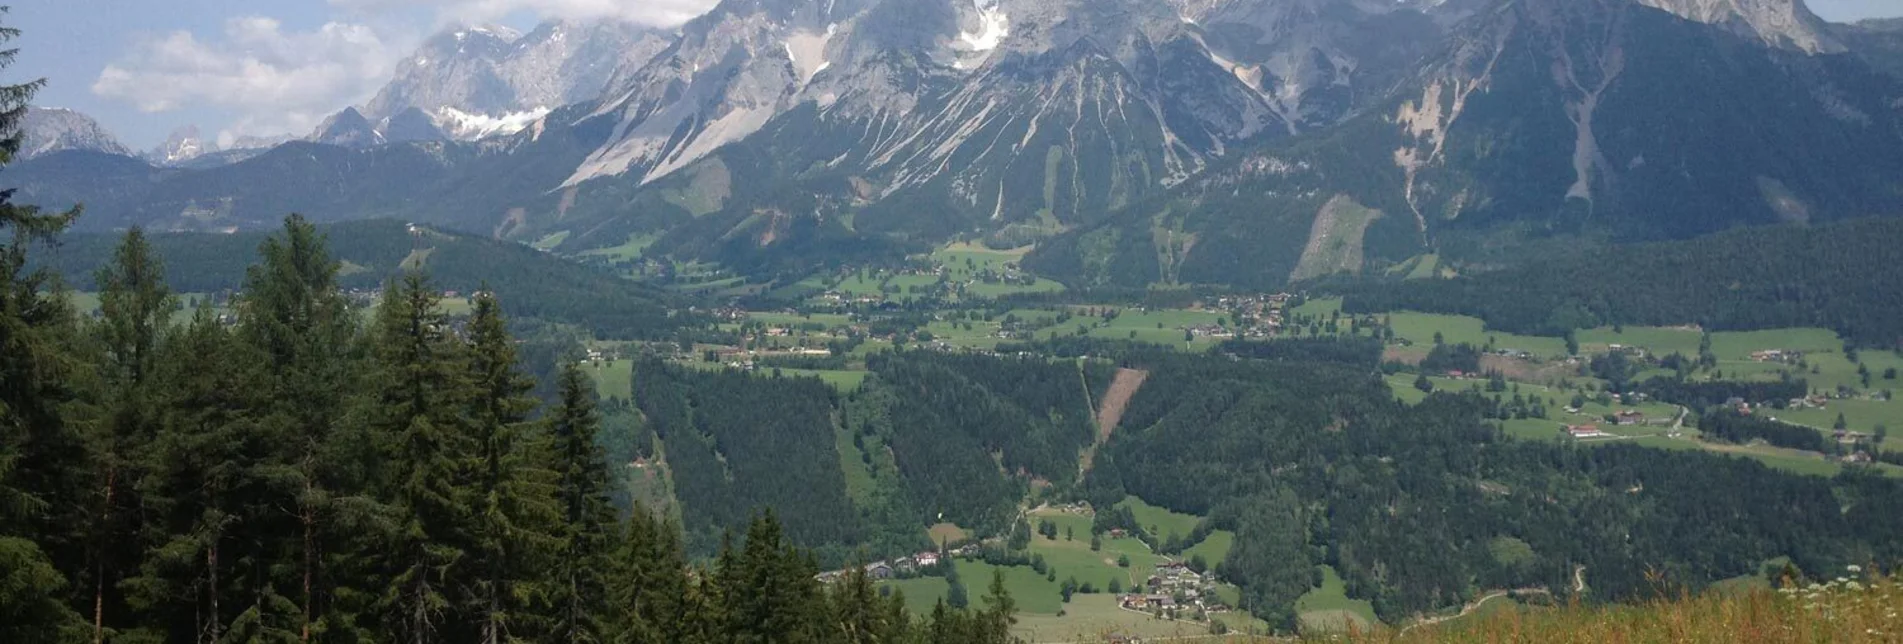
(1852, 608)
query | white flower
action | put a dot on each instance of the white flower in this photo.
(1854, 568)
(1854, 586)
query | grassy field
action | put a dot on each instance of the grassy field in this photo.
(946, 533)
(613, 378)
(921, 594)
(1032, 592)
(549, 242)
(966, 259)
(1328, 607)
(1658, 340)
(1214, 548)
(630, 250)
(1859, 415)
(1073, 558)
(1160, 522)
(981, 335)
(780, 319)
(1164, 327)
(1089, 618)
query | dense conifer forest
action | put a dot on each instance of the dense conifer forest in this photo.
(1427, 506)
(1842, 277)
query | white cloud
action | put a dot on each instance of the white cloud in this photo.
(664, 13)
(275, 81)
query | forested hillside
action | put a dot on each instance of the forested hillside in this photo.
(1843, 277)
(1427, 506)
(735, 442)
(300, 475)
(958, 438)
(531, 284)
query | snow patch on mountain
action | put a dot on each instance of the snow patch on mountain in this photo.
(993, 27)
(467, 126)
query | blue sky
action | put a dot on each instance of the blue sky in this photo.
(145, 68)
(259, 67)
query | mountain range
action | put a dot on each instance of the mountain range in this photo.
(1187, 141)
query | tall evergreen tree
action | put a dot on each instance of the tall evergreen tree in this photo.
(587, 515)
(514, 534)
(293, 313)
(38, 449)
(209, 480)
(651, 599)
(423, 390)
(135, 315)
(860, 616)
(766, 588)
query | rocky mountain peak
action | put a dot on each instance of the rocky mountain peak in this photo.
(47, 130)
(477, 82)
(184, 144)
(350, 129)
(1787, 24)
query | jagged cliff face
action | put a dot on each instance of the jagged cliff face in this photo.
(1642, 106)
(1558, 116)
(478, 82)
(1008, 111)
(1780, 23)
(1315, 61)
(44, 131)
(1068, 122)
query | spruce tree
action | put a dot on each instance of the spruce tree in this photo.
(295, 317)
(860, 616)
(765, 590)
(651, 599)
(39, 451)
(135, 316)
(587, 519)
(419, 413)
(515, 515)
(209, 471)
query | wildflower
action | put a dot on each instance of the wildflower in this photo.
(1854, 568)
(1854, 586)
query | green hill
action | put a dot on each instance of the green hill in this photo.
(530, 283)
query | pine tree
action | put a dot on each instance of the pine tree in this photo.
(135, 316)
(38, 449)
(423, 392)
(515, 516)
(587, 517)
